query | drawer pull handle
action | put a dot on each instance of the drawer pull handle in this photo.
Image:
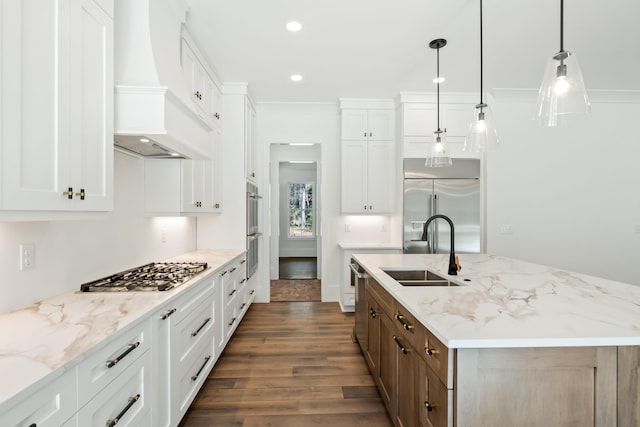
(197, 331)
(373, 313)
(232, 292)
(431, 351)
(243, 306)
(406, 325)
(232, 321)
(402, 347)
(252, 291)
(113, 362)
(243, 280)
(232, 270)
(116, 420)
(206, 360)
(167, 314)
(428, 406)
(243, 261)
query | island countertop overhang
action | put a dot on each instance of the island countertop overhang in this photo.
(509, 303)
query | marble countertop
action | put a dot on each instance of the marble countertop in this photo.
(511, 303)
(49, 337)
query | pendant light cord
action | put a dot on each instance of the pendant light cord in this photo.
(481, 64)
(561, 25)
(438, 85)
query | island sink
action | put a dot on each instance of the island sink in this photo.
(418, 278)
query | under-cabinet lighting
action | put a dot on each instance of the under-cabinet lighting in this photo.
(144, 140)
(300, 144)
(300, 161)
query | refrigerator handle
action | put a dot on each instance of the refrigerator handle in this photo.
(432, 211)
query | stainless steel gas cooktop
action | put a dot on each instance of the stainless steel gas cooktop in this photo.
(155, 276)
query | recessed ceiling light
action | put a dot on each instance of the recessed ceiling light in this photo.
(294, 26)
(440, 80)
(144, 140)
(296, 77)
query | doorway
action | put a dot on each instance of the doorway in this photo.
(294, 238)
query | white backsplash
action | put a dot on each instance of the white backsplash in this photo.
(68, 253)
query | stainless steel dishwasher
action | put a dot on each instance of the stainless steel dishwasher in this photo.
(358, 277)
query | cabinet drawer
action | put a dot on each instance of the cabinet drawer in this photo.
(125, 399)
(230, 321)
(436, 354)
(193, 372)
(408, 326)
(107, 363)
(50, 405)
(195, 328)
(193, 297)
(435, 408)
(385, 301)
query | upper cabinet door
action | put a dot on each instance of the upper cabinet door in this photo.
(57, 106)
(91, 121)
(381, 125)
(35, 137)
(354, 125)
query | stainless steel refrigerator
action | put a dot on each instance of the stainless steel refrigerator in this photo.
(451, 191)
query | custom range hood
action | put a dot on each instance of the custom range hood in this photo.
(154, 113)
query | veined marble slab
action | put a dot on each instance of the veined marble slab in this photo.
(511, 303)
(53, 335)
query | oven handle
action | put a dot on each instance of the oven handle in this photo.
(254, 195)
(254, 236)
(359, 274)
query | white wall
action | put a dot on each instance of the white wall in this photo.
(571, 194)
(320, 124)
(69, 253)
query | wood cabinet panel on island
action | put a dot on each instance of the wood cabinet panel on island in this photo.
(424, 383)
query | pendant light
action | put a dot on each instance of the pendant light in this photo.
(482, 134)
(562, 92)
(439, 156)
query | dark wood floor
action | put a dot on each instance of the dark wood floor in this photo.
(290, 364)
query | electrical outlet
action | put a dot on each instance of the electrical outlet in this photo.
(27, 256)
(506, 229)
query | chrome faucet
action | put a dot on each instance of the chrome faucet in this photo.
(453, 265)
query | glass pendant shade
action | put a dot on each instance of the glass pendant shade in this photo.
(562, 91)
(439, 156)
(482, 135)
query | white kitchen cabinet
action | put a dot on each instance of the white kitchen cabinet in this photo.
(182, 328)
(368, 177)
(250, 141)
(57, 106)
(176, 187)
(49, 406)
(419, 119)
(125, 401)
(368, 125)
(204, 92)
(368, 159)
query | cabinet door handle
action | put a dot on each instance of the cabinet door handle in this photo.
(33, 425)
(428, 406)
(365, 134)
(373, 313)
(243, 280)
(365, 207)
(252, 291)
(404, 349)
(116, 420)
(113, 362)
(232, 292)
(406, 325)
(370, 133)
(431, 351)
(232, 321)
(68, 193)
(370, 207)
(81, 194)
(167, 314)
(197, 331)
(206, 360)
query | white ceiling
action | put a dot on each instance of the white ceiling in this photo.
(377, 48)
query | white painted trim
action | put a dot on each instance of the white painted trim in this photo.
(445, 98)
(367, 104)
(235, 88)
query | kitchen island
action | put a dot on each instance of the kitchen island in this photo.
(513, 343)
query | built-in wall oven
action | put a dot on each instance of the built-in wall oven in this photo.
(253, 233)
